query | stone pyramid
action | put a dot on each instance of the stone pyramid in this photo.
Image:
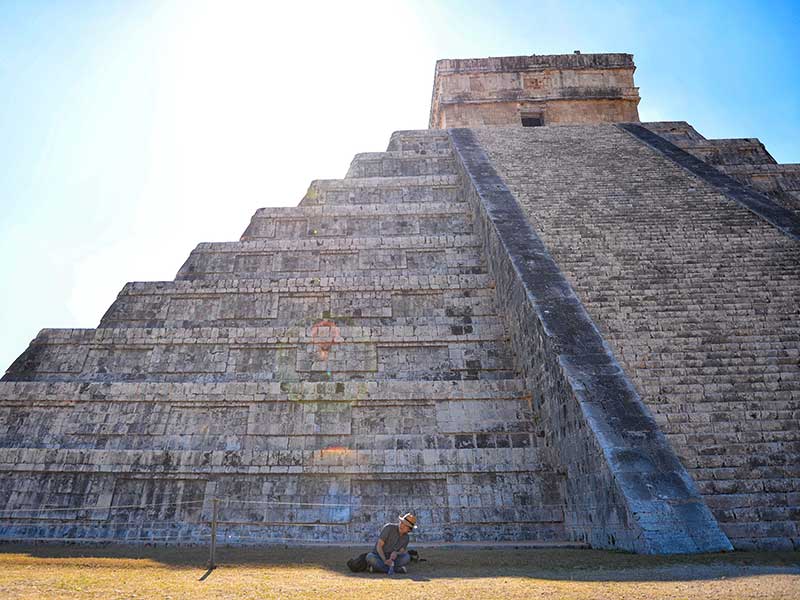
(538, 321)
(343, 362)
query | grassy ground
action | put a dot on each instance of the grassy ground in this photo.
(38, 572)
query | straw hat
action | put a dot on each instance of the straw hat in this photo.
(409, 520)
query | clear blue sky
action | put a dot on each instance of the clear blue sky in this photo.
(133, 130)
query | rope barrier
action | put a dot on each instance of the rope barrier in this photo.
(97, 523)
(387, 507)
(92, 508)
(267, 503)
(107, 539)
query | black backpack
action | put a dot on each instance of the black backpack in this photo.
(358, 564)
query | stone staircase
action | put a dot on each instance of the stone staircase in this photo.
(745, 159)
(697, 296)
(342, 363)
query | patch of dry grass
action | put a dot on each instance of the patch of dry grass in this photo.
(74, 572)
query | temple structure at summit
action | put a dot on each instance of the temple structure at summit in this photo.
(539, 320)
(534, 90)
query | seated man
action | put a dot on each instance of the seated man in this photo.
(391, 550)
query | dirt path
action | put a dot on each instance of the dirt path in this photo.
(39, 572)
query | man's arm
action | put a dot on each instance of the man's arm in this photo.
(379, 548)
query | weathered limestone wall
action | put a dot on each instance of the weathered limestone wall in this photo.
(360, 301)
(569, 88)
(697, 297)
(299, 462)
(556, 112)
(209, 354)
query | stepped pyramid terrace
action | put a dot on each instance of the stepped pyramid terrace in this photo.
(538, 321)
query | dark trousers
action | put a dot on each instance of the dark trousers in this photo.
(375, 561)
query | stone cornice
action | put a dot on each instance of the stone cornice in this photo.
(535, 62)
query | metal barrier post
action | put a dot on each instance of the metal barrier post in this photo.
(213, 550)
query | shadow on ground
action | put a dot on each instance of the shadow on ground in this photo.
(459, 563)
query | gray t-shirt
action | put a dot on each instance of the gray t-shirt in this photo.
(392, 540)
